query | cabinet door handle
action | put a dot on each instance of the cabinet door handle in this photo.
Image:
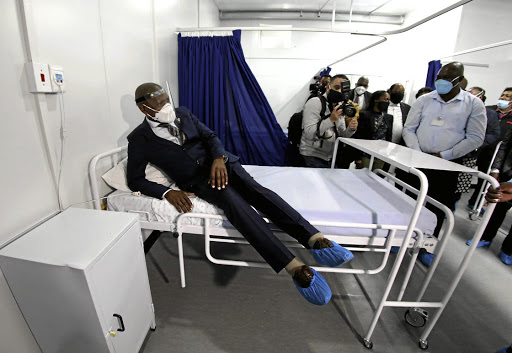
(120, 318)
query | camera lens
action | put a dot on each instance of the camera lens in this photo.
(349, 111)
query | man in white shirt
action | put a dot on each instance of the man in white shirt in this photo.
(447, 123)
(399, 110)
(360, 94)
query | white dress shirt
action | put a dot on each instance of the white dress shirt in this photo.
(163, 132)
(452, 128)
(396, 111)
(359, 99)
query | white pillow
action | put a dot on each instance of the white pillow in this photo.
(116, 177)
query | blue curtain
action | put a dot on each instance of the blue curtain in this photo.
(217, 85)
(433, 68)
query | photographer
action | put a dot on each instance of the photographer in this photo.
(320, 132)
(319, 87)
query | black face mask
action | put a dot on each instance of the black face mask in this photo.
(396, 97)
(383, 106)
(334, 97)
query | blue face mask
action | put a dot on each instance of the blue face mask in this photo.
(444, 86)
(502, 104)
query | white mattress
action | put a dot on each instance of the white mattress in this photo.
(332, 195)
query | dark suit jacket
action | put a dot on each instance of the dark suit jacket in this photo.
(367, 96)
(503, 160)
(404, 107)
(493, 131)
(366, 127)
(186, 165)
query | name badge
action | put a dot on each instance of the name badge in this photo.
(437, 122)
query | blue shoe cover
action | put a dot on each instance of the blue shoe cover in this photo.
(506, 259)
(504, 349)
(318, 292)
(481, 243)
(426, 259)
(394, 249)
(332, 257)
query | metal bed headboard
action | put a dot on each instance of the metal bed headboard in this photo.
(92, 171)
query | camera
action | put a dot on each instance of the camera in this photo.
(347, 107)
(317, 88)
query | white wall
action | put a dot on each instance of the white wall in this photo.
(476, 31)
(106, 48)
(27, 185)
(285, 74)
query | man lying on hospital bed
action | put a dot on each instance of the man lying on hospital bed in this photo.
(193, 156)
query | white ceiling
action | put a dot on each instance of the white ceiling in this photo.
(362, 16)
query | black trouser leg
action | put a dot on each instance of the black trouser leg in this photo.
(507, 243)
(441, 187)
(272, 206)
(346, 155)
(495, 222)
(236, 199)
(248, 222)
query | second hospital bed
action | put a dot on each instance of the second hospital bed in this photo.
(351, 207)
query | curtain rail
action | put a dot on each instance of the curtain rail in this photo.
(484, 47)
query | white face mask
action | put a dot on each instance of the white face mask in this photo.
(165, 115)
(360, 90)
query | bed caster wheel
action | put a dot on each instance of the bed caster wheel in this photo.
(473, 216)
(423, 344)
(416, 317)
(368, 344)
(175, 235)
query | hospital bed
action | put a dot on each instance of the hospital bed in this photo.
(360, 209)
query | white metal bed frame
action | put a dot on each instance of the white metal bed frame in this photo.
(475, 212)
(408, 160)
(374, 244)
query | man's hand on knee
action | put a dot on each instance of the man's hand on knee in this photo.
(218, 174)
(179, 199)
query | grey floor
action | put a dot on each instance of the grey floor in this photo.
(227, 309)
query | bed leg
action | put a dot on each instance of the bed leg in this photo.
(182, 262)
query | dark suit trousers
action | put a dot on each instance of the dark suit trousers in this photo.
(236, 199)
(441, 187)
(494, 225)
(346, 155)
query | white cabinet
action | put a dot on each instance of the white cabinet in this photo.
(81, 282)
